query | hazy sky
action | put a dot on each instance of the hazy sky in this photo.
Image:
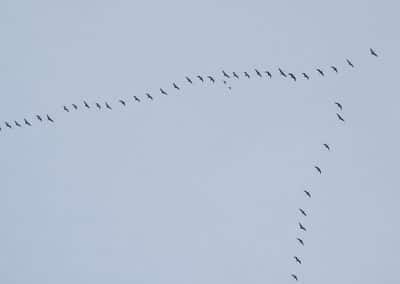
(203, 185)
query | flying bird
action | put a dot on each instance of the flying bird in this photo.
(268, 73)
(303, 212)
(108, 106)
(75, 106)
(258, 73)
(122, 102)
(305, 76)
(211, 79)
(8, 125)
(224, 81)
(49, 118)
(189, 80)
(224, 73)
(246, 74)
(302, 227)
(339, 105)
(235, 75)
(136, 99)
(320, 72)
(350, 63)
(163, 92)
(66, 109)
(17, 124)
(297, 259)
(334, 68)
(27, 122)
(86, 104)
(282, 73)
(318, 169)
(176, 86)
(149, 96)
(200, 78)
(327, 146)
(292, 76)
(98, 105)
(307, 193)
(295, 277)
(39, 117)
(373, 52)
(340, 117)
(300, 241)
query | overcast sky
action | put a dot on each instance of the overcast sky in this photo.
(203, 185)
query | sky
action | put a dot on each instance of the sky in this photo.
(202, 185)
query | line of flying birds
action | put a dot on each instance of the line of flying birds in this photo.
(147, 96)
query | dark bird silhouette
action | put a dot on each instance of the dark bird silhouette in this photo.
(163, 92)
(339, 105)
(350, 63)
(86, 104)
(200, 78)
(224, 81)
(246, 74)
(320, 72)
(17, 124)
(122, 102)
(305, 76)
(297, 259)
(189, 80)
(300, 241)
(66, 109)
(136, 99)
(340, 117)
(149, 96)
(258, 73)
(176, 86)
(307, 193)
(98, 105)
(211, 79)
(224, 73)
(39, 117)
(75, 106)
(108, 106)
(282, 73)
(27, 122)
(292, 76)
(49, 118)
(295, 277)
(318, 169)
(327, 146)
(334, 69)
(373, 52)
(302, 227)
(303, 212)
(235, 75)
(268, 73)
(8, 125)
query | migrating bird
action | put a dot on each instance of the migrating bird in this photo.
(122, 102)
(318, 169)
(49, 118)
(27, 122)
(350, 63)
(282, 73)
(297, 259)
(235, 75)
(327, 146)
(303, 212)
(75, 106)
(189, 80)
(246, 74)
(292, 76)
(268, 73)
(86, 104)
(295, 277)
(200, 78)
(307, 193)
(300, 241)
(224, 73)
(340, 117)
(66, 109)
(320, 72)
(339, 105)
(98, 105)
(8, 125)
(334, 68)
(149, 96)
(176, 86)
(305, 76)
(17, 124)
(373, 52)
(163, 92)
(302, 227)
(258, 73)
(211, 79)
(136, 99)
(39, 117)
(108, 106)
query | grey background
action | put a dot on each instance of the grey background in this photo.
(201, 186)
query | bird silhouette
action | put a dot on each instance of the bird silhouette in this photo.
(8, 124)
(327, 146)
(136, 99)
(17, 123)
(75, 106)
(339, 117)
(122, 102)
(295, 277)
(258, 73)
(39, 117)
(292, 76)
(200, 78)
(189, 80)
(297, 259)
(176, 86)
(307, 193)
(86, 104)
(302, 227)
(320, 72)
(318, 169)
(49, 118)
(66, 109)
(282, 73)
(235, 75)
(98, 105)
(246, 74)
(27, 122)
(211, 79)
(224, 73)
(350, 63)
(339, 105)
(334, 69)
(224, 81)
(373, 52)
(149, 96)
(300, 241)
(163, 92)
(305, 76)
(268, 73)
(302, 212)
(108, 106)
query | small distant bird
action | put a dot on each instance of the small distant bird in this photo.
(224, 81)
(292, 76)
(27, 122)
(39, 117)
(300, 241)
(200, 78)
(98, 105)
(235, 75)
(163, 92)
(136, 99)
(17, 124)
(327, 146)
(8, 125)
(246, 74)
(297, 259)
(108, 106)
(282, 73)
(334, 68)
(176, 86)
(340, 117)
(350, 63)
(320, 72)
(86, 104)
(49, 118)
(303, 212)
(373, 52)
(302, 227)
(268, 73)
(258, 73)
(295, 277)
(307, 193)
(149, 96)
(318, 169)
(211, 79)
(122, 102)
(75, 106)
(339, 105)
(66, 109)
(224, 73)
(189, 80)
(305, 76)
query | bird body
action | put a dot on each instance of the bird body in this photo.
(17, 124)
(292, 76)
(136, 99)
(200, 78)
(320, 72)
(211, 79)
(49, 118)
(27, 122)
(295, 277)
(86, 104)
(225, 74)
(282, 73)
(122, 102)
(39, 117)
(307, 193)
(246, 74)
(98, 105)
(327, 146)
(163, 92)
(318, 169)
(108, 106)
(235, 75)
(350, 63)
(149, 96)
(297, 259)
(268, 73)
(176, 86)
(302, 227)
(302, 212)
(334, 69)
(305, 76)
(340, 117)
(373, 52)
(189, 80)
(339, 105)
(258, 73)
(8, 124)
(75, 106)
(66, 109)
(300, 241)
